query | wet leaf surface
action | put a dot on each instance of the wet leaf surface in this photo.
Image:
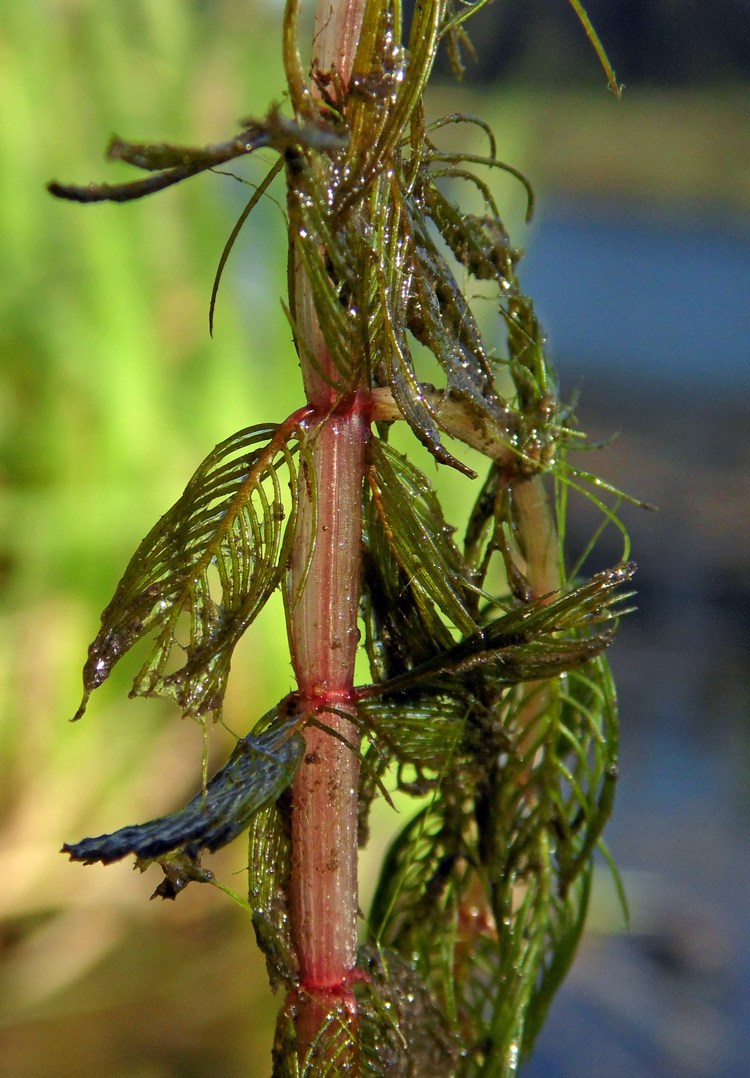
(261, 767)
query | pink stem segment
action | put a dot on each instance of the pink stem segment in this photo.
(323, 644)
(323, 599)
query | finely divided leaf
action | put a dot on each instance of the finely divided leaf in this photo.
(203, 573)
(421, 541)
(419, 729)
(527, 644)
(403, 1030)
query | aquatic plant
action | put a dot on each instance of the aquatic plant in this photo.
(490, 702)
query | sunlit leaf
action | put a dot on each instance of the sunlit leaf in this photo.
(593, 37)
(212, 560)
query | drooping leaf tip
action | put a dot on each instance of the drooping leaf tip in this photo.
(82, 707)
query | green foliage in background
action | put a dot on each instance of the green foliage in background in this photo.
(111, 392)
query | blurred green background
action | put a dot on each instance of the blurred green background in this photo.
(112, 393)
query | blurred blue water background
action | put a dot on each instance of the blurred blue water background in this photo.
(655, 294)
(649, 317)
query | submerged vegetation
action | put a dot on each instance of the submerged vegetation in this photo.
(489, 700)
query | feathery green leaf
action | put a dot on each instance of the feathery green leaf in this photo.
(214, 559)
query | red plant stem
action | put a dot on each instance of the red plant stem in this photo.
(324, 589)
(323, 642)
